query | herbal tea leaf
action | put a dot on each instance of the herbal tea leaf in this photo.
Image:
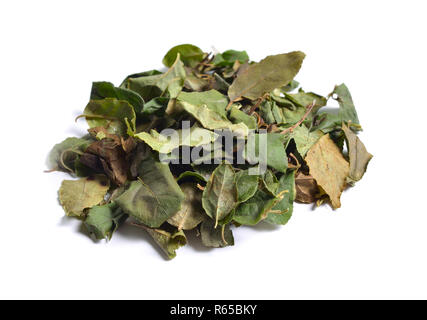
(190, 55)
(191, 213)
(281, 212)
(255, 209)
(103, 221)
(304, 139)
(114, 115)
(209, 109)
(171, 81)
(169, 242)
(212, 99)
(306, 187)
(246, 185)
(102, 90)
(329, 168)
(154, 197)
(270, 73)
(112, 158)
(229, 57)
(220, 194)
(276, 156)
(237, 116)
(165, 144)
(218, 237)
(358, 155)
(64, 154)
(77, 195)
(347, 110)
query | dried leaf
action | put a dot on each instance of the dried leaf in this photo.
(64, 154)
(190, 55)
(103, 221)
(191, 213)
(77, 195)
(307, 190)
(270, 73)
(154, 197)
(171, 81)
(112, 158)
(329, 168)
(169, 242)
(358, 155)
(117, 116)
(216, 237)
(102, 90)
(165, 144)
(220, 194)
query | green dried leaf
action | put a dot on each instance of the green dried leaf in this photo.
(103, 221)
(169, 242)
(276, 155)
(64, 154)
(102, 90)
(304, 139)
(209, 109)
(117, 116)
(165, 144)
(270, 182)
(246, 185)
(154, 197)
(191, 174)
(212, 99)
(190, 55)
(216, 237)
(238, 116)
(281, 212)
(220, 194)
(270, 73)
(156, 106)
(191, 213)
(229, 57)
(171, 81)
(347, 110)
(255, 209)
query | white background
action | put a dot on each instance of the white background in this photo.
(373, 247)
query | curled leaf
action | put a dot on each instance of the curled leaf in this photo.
(64, 154)
(358, 155)
(169, 242)
(216, 237)
(103, 221)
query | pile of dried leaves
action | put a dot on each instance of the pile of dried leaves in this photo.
(312, 154)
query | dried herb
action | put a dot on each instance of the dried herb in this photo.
(213, 142)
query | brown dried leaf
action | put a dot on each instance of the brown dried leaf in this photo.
(113, 159)
(306, 187)
(329, 168)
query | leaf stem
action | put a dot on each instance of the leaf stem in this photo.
(309, 108)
